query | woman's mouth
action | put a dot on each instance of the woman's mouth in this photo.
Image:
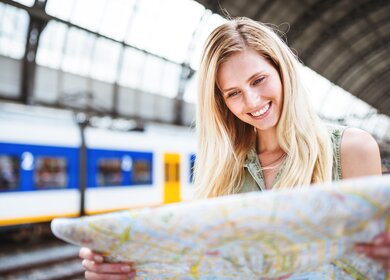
(262, 111)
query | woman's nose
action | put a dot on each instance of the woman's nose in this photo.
(252, 98)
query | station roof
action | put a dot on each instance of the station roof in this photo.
(138, 59)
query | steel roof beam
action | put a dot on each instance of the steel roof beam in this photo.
(35, 28)
(339, 26)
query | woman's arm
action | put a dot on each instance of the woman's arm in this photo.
(96, 269)
(360, 157)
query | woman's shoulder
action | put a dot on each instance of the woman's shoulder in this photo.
(360, 154)
(358, 142)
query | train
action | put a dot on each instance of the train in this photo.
(51, 166)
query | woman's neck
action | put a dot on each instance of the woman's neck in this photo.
(267, 141)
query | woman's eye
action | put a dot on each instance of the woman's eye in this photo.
(231, 94)
(257, 81)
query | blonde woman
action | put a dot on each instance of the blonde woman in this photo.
(257, 130)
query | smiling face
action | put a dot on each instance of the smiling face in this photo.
(251, 88)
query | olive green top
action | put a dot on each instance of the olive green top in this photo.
(254, 179)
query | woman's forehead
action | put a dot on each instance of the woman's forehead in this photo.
(241, 65)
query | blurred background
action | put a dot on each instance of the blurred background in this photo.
(97, 98)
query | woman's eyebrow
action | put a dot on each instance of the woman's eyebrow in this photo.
(256, 74)
(228, 89)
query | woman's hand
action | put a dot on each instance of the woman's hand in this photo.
(378, 250)
(96, 269)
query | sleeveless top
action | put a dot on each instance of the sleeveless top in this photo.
(254, 179)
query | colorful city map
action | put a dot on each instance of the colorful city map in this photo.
(299, 233)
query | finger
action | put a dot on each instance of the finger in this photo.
(383, 238)
(106, 267)
(380, 252)
(88, 254)
(95, 276)
(363, 248)
(386, 264)
(377, 252)
(132, 274)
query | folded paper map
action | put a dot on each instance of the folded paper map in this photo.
(300, 233)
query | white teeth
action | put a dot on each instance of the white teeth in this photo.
(261, 111)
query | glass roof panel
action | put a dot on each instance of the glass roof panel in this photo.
(336, 105)
(25, 2)
(360, 109)
(152, 72)
(209, 23)
(165, 27)
(141, 25)
(329, 100)
(382, 127)
(105, 60)
(89, 13)
(371, 124)
(170, 79)
(60, 8)
(316, 87)
(77, 52)
(132, 67)
(116, 19)
(51, 44)
(191, 89)
(13, 31)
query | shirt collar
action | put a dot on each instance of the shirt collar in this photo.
(250, 157)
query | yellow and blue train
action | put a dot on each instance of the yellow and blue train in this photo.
(41, 167)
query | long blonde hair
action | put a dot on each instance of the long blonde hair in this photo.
(224, 140)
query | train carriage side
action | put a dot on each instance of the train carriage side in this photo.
(127, 169)
(38, 169)
(120, 171)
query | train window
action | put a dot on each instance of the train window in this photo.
(50, 172)
(9, 172)
(142, 171)
(166, 168)
(109, 172)
(177, 172)
(172, 172)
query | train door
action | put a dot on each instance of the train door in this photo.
(171, 178)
